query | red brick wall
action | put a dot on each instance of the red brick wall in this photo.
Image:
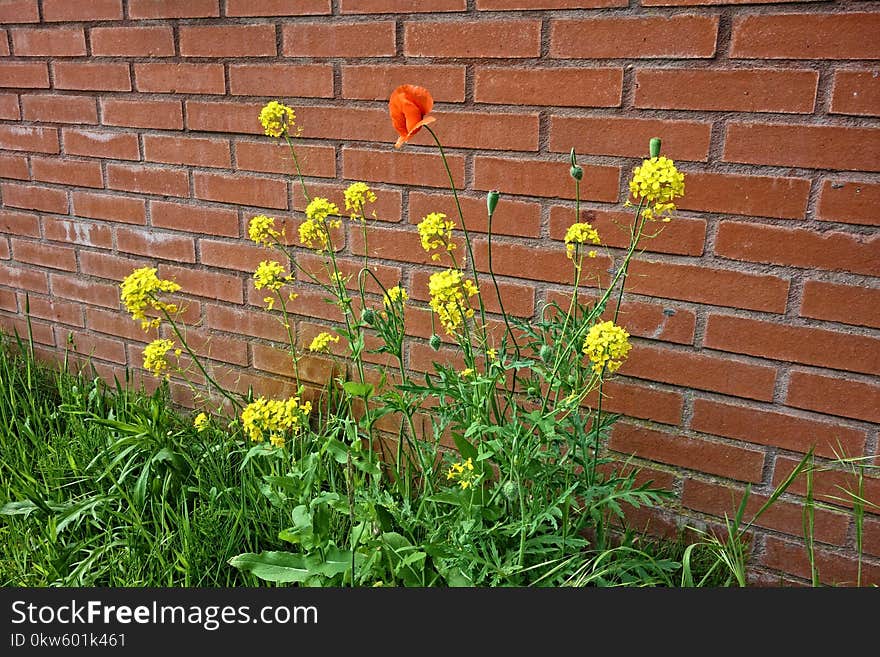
(128, 136)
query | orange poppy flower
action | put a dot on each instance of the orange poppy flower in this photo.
(408, 106)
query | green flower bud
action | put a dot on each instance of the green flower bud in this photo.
(434, 342)
(509, 490)
(654, 147)
(546, 352)
(367, 316)
(576, 172)
(492, 201)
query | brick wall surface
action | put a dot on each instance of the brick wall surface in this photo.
(129, 137)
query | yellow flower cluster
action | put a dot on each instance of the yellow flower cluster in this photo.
(261, 230)
(270, 275)
(436, 233)
(321, 342)
(314, 231)
(657, 183)
(463, 473)
(201, 422)
(356, 197)
(606, 345)
(155, 356)
(580, 233)
(139, 294)
(449, 292)
(277, 119)
(394, 295)
(274, 418)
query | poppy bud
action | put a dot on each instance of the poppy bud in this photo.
(546, 352)
(492, 201)
(576, 172)
(367, 316)
(654, 147)
(435, 342)
(510, 490)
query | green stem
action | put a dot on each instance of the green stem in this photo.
(299, 174)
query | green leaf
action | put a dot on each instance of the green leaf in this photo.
(279, 567)
(356, 389)
(18, 508)
(338, 450)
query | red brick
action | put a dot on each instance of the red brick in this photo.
(512, 217)
(638, 400)
(19, 223)
(245, 322)
(55, 257)
(718, 287)
(76, 231)
(224, 117)
(117, 324)
(850, 202)
(317, 369)
(782, 515)
(227, 41)
(241, 190)
(92, 76)
(19, 11)
(5, 251)
(680, 36)
(680, 236)
(241, 256)
(277, 7)
(518, 299)
(775, 429)
(49, 42)
(9, 107)
(25, 75)
(270, 157)
(847, 304)
(34, 197)
(29, 138)
(194, 218)
(81, 10)
(596, 87)
(393, 244)
(24, 279)
(101, 143)
(833, 568)
(148, 180)
(701, 371)
(187, 150)
(57, 312)
(797, 344)
(173, 9)
(109, 207)
(59, 109)
(400, 6)
(42, 334)
(799, 247)
(401, 167)
(387, 205)
(105, 265)
(213, 285)
(734, 90)
(830, 484)
(8, 301)
(376, 82)
(847, 35)
(783, 198)
(14, 166)
(4, 43)
(810, 146)
(79, 173)
(162, 114)
(345, 123)
(498, 131)
(483, 39)
(702, 455)
(180, 78)
(685, 140)
(690, 3)
(511, 5)
(92, 346)
(153, 244)
(372, 39)
(545, 264)
(132, 41)
(856, 92)
(278, 80)
(82, 288)
(542, 178)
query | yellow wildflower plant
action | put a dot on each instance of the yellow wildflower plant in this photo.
(394, 295)
(357, 196)
(321, 342)
(656, 183)
(314, 231)
(449, 292)
(606, 346)
(156, 356)
(462, 473)
(201, 422)
(140, 290)
(580, 233)
(467, 372)
(261, 230)
(270, 274)
(435, 232)
(274, 419)
(277, 119)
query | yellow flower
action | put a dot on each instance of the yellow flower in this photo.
(313, 235)
(579, 233)
(356, 197)
(394, 295)
(139, 294)
(201, 422)
(606, 345)
(436, 233)
(274, 419)
(491, 354)
(320, 208)
(261, 230)
(321, 342)
(270, 275)
(155, 354)
(463, 472)
(466, 372)
(657, 183)
(277, 119)
(314, 231)
(449, 292)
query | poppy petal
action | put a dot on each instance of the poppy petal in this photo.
(420, 96)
